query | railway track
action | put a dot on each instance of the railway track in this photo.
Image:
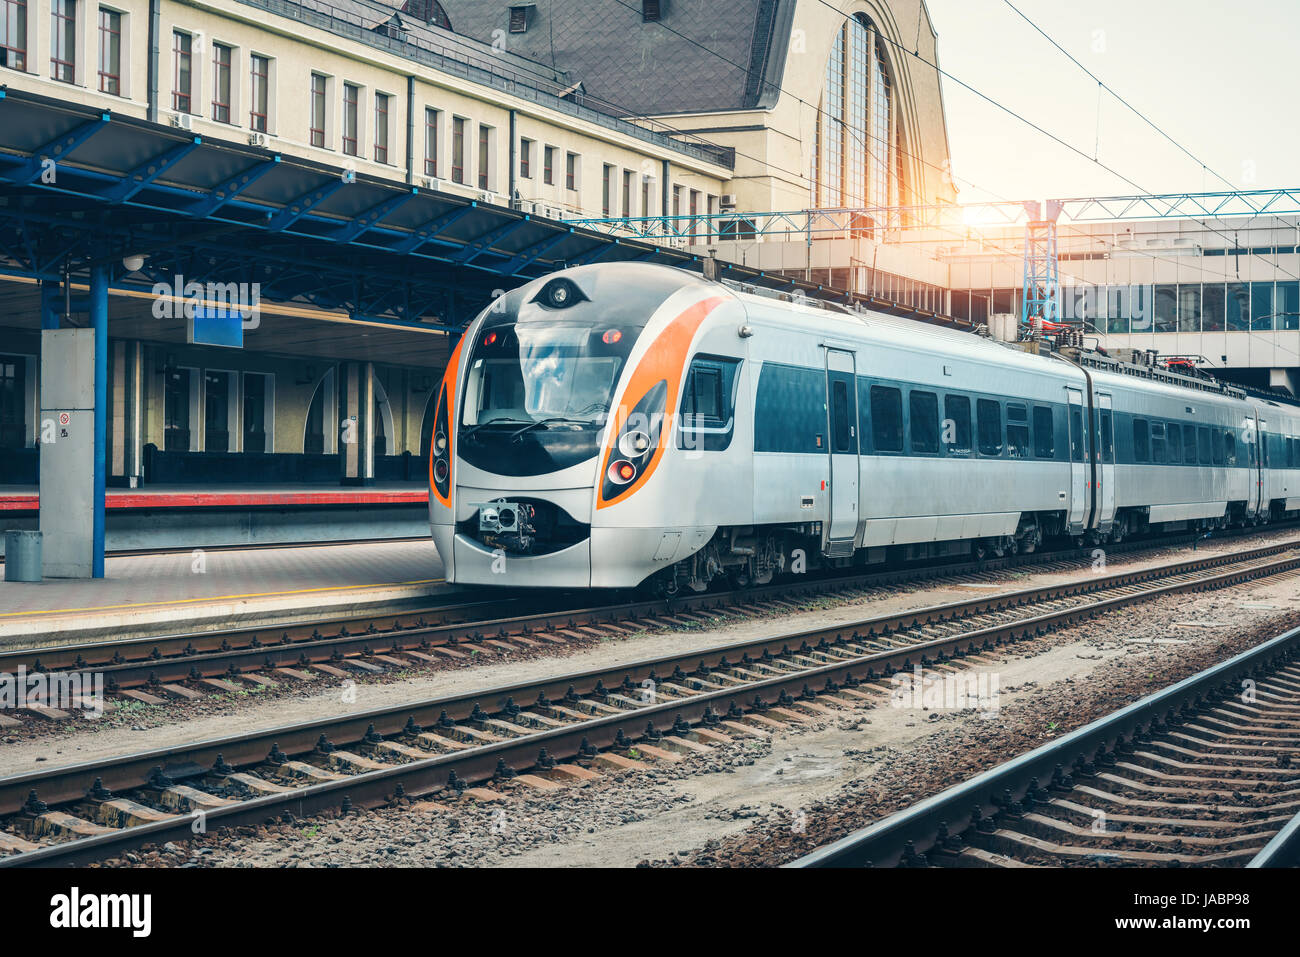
(554, 730)
(179, 667)
(1204, 773)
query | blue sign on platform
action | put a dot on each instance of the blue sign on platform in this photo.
(216, 326)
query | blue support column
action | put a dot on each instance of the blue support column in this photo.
(99, 321)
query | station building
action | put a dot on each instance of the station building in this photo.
(352, 180)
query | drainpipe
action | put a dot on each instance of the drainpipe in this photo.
(514, 164)
(664, 209)
(410, 130)
(154, 14)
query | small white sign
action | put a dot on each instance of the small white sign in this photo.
(64, 418)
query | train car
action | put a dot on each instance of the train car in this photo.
(617, 425)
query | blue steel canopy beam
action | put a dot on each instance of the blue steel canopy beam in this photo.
(57, 150)
(300, 207)
(430, 230)
(596, 254)
(219, 196)
(365, 220)
(479, 246)
(526, 257)
(144, 174)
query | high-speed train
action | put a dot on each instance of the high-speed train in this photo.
(624, 424)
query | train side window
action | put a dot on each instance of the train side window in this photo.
(707, 406)
(1216, 445)
(1076, 434)
(841, 426)
(1017, 431)
(1044, 433)
(924, 408)
(1157, 442)
(1107, 437)
(988, 415)
(1141, 441)
(1174, 434)
(1229, 449)
(956, 426)
(887, 418)
(1189, 444)
(1203, 444)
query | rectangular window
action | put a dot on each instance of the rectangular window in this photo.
(216, 411)
(956, 427)
(526, 159)
(458, 150)
(1189, 444)
(381, 127)
(1174, 436)
(351, 101)
(13, 35)
(182, 71)
(627, 193)
(702, 403)
(1203, 445)
(548, 166)
(63, 41)
(1076, 434)
(606, 171)
(484, 149)
(1229, 449)
(1017, 431)
(1141, 441)
(1157, 442)
(842, 429)
(1107, 438)
(988, 415)
(176, 410)
(924, 408)
(317, 110)
(571, 171)
(259, 71)
(110, 52)
(431, 117)
(1045, 433)
(886, 419)
(677, 200)
(645, 196)
(256, 392)
(221, 59)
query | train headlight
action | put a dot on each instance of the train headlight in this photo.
(634, 444)
(559, 293)
(440, 471)
(621, 472)
(506, 518)
(440, 443)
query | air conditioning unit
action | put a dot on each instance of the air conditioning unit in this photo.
(728, 201)
(548, 211)
(430, 182)
(182, 121)
(256, 138)
(487, 196)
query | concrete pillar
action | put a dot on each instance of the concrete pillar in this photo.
(1288, 379)
(99, 321)
(356, 430)
(126, 435)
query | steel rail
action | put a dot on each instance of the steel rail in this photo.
(918, 829)
(71, 783)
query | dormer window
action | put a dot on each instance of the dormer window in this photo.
(520, 15)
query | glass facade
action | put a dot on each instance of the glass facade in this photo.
(857, 145)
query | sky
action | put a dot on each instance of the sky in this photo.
(1221, 78)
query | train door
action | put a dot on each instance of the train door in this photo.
(842, 421)
(1105, 471)
(1078, 497)
(1258, 467)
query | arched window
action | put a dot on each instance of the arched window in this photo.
(430, 11)
(857, 156)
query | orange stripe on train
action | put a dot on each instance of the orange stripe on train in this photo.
(449, 380)
(664, 360)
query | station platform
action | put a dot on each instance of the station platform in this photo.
(185, 516)
(182, 592)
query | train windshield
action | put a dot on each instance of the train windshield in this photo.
(553, 373)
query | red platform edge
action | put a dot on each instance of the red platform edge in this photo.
(30, 502)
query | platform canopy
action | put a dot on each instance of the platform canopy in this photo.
(80, 186)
